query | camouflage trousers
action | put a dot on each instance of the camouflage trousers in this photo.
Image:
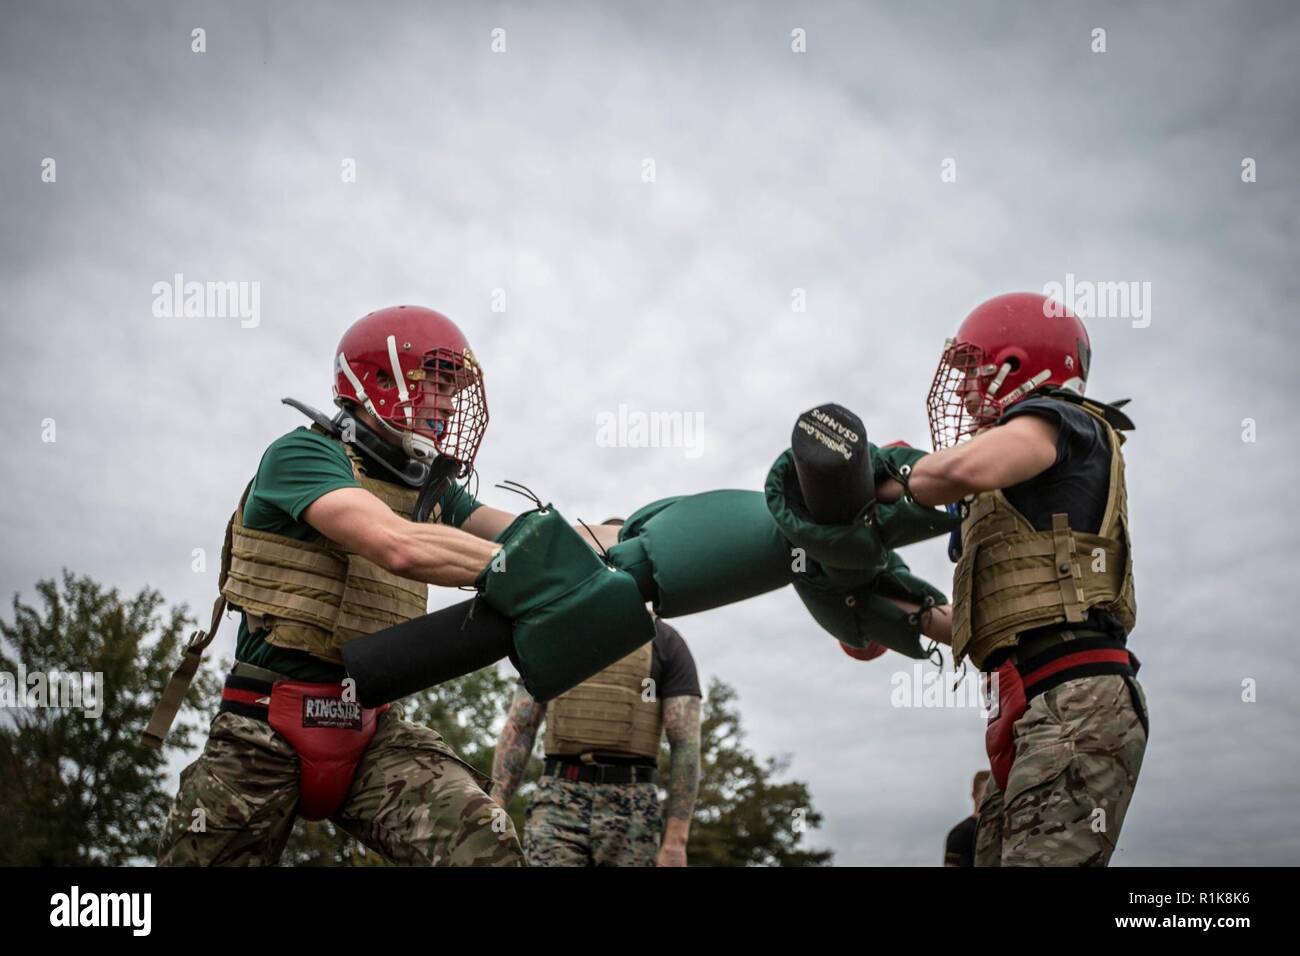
(1079, 748)
(413, 801)
(573, 823)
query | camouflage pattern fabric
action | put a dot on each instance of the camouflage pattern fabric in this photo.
(412, 800)
(1079, 748)
(572, 823)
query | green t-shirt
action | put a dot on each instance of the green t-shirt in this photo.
(297, 469)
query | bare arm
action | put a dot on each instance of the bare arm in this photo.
(515, 745)
(682, 728)
(998, 458)
(434, 553)
(487, 523)
(606, 535)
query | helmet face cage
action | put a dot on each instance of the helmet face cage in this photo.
(959, 403)
(447, 404)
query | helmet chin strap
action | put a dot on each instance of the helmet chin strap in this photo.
(415, 447)
(1026, 387)
(418, 447)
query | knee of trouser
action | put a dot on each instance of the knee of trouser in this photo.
(452, 822)
(493, 844)
(211, 822)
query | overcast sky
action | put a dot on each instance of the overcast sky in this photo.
(523, 171)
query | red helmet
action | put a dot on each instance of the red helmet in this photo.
(1006, 349)
(868, 653)
(412, 369)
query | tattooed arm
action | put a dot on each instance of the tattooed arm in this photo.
(682, 727)
(515, 745)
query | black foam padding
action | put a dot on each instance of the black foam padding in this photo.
(427, 651)
(833, 463)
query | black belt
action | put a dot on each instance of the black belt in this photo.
(578, 771)
(247, 690)
(1083, 657)
(245, 696)
(1068, 660)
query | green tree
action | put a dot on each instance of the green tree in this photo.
(77, 790)
(80, 789)
(744, 815)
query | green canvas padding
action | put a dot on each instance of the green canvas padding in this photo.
(886, 461)
(857, 545)
(636, 521)
(573, 614)
(858, 616)
(898, 581)
(853, 607)
(902, 523)
(630, 556)
(709, 549)
(561, 644)
(542, 558)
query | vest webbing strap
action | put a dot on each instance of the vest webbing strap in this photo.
(375, 598)
(311, 587)
(306, 555)
(306, 608)
(1011, 579)
(164, 715)
(1071, 593)
(243, 564)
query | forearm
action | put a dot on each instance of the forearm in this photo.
(996, 458)
(682, 726)
(599, 536)
(515, 745)
(439, 554)
(933, 482)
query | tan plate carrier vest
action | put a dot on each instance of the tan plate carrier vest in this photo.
(315, 596)
(307, 595)
(607, 713)
(1012, 578)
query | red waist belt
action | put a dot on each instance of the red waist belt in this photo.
(328, 733)
(1018, 684)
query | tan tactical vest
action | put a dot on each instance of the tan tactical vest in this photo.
(607, 713)
(1012, 578)
(313, 595)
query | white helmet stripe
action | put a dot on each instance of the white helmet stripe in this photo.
(398, 377)
(360, 389)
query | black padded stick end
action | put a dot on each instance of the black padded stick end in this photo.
(833, 463)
